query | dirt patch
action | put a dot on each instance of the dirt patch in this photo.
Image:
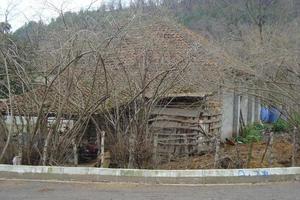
(279, 156)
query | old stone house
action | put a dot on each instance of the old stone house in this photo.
(197, 101)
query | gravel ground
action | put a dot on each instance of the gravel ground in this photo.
(35, 190)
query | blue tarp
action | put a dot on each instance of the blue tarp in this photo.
(269, 115)
(264, 114)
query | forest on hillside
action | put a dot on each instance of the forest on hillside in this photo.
(259, 32)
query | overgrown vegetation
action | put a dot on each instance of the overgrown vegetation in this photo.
(281, 125)
(251, 133)
(71, 51)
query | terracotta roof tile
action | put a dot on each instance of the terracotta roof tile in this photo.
(161, 44)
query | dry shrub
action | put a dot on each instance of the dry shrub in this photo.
(144, 153)
(119, 154)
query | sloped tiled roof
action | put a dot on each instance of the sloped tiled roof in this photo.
(146, 44)
(30, 103)
(160, 44)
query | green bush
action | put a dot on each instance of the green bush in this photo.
(252, 133)
(281, 126)
(259, 126)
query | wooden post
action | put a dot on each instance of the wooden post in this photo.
(155, 142)
(250, 151)
(294, 147)
(102, 148)
(239, 163)
(98, 143)
(171, 148)
(75, 152)
(21, 146)
(217, 156)
(269, 144)
(271, 149)
(186, 147)
(186, 150)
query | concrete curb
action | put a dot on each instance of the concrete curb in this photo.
(221, 176)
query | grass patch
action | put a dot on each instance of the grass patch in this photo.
(281, 126)
(252, 133)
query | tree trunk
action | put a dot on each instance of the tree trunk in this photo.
(131, 151)
(45, 149)
(10, 130)
(6, 145)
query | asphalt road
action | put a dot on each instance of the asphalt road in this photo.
(24, 190)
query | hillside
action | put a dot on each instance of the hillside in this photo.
(244, 28)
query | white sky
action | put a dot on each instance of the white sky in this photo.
(22, 11)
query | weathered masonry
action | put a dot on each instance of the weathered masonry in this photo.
(184, 124)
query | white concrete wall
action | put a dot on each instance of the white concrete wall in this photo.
(227, 118)
(149, 173)
(251, 110)
(244, 107)
(21, 120)
(233, 103)
(257, 108)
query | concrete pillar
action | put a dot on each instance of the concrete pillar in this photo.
(244, 108)
(251, 110)
(236, 114)
(227, 115)
(257, 108)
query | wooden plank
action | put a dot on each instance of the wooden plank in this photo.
(196, 121)
(176, 112)
(212, 114)
(174, 119)
(215, 127)
(178, 127)
(165, 124)
(177, 139)
(210, 121)
(186, 142)
(176, 144)
(182, 112)
(181, 136)
(177, 105)
(177, 134)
